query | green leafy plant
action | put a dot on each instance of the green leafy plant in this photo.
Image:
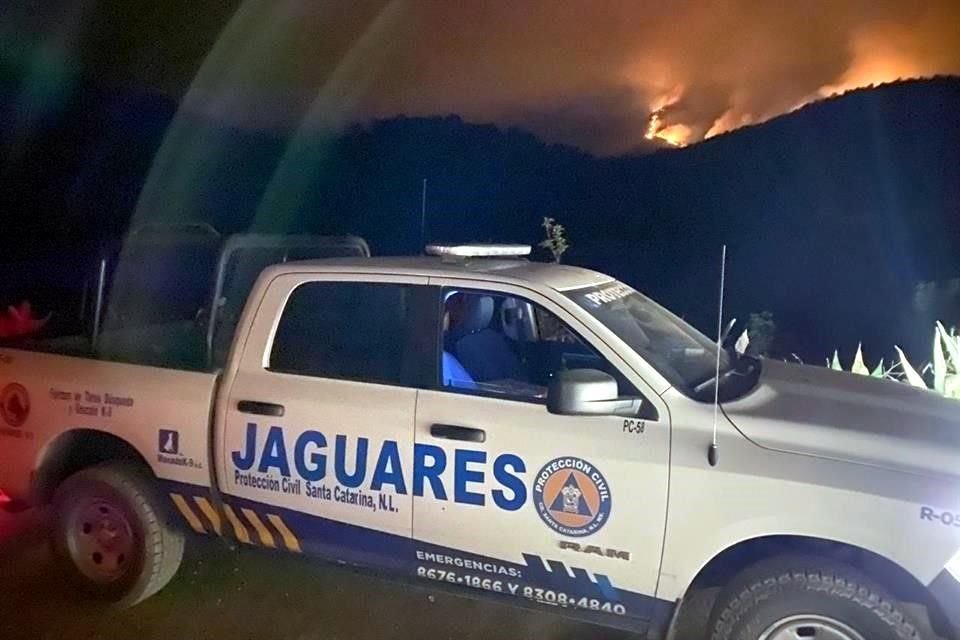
(556, 240)
(762, 331)
(757, 339)
(944, 366)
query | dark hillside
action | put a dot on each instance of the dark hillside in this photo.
(833, 213)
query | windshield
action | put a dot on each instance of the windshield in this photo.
(680, 353)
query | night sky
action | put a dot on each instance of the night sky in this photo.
(591, 73)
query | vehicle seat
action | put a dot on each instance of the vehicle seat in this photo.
(484, 352)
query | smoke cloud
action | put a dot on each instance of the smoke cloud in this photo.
(592, 72)
(610, 76)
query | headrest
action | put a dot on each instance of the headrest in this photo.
(477, 314)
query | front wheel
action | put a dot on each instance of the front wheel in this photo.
(797, 598)
(110, 534)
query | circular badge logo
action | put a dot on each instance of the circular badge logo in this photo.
(572, 496)
(14, 405)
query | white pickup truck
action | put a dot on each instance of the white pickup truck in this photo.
(536, 432)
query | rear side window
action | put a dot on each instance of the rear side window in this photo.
(361, 331)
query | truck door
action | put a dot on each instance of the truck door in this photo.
(317, 415)
(565, 510)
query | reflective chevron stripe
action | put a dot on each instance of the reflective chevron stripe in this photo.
(210, 512)
(188, 513)
(239, 529)
(266, 538)
(289, 539)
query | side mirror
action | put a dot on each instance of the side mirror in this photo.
(589, 392)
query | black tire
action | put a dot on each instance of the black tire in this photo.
(150, 551)
(694, 617)
(792, 588)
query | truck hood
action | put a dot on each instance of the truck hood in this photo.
(817, 411)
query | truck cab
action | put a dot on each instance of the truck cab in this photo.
(421, 417)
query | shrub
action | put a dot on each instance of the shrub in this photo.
(20, 322)
(556, 240)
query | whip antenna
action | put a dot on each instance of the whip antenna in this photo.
(713, 454)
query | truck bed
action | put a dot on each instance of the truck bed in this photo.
(172, 345)
(142, 405)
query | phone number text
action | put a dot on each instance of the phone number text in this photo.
(544, 596)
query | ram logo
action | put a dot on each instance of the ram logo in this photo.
(594, 550)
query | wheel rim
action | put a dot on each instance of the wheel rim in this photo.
(813, 627)
(100, 540)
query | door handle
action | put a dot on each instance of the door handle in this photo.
(454, 432)
(260, 408)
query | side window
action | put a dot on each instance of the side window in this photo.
(551, 329)
(354, 331)
(496, 344)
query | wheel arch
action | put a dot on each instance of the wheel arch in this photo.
(896, 579)
(74, 450)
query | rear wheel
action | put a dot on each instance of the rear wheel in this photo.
(799, 598)
(111, 536)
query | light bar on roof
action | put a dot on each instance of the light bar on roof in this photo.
(479, 250)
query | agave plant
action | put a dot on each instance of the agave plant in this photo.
(945, 365)
(860, 367)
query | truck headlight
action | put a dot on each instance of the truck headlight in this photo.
(954, 566)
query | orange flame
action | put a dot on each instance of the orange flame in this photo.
(653, 126)
(675, 135)
(879, 55)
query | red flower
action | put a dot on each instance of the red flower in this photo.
(19, 322)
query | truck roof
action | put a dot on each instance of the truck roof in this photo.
(554, 276)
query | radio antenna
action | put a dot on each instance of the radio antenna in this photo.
(713, 453)
(423, 217)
